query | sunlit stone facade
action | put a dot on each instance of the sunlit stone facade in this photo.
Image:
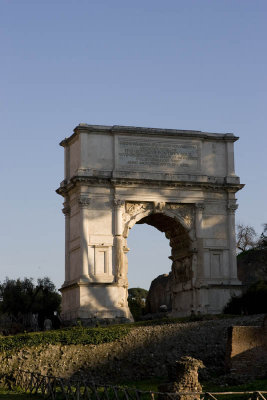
(181, 182)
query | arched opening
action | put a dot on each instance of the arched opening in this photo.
(176, 275)
(148, 256)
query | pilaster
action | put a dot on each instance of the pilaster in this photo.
(230, 162)
(119, 208)
(66, 211)
(231, 209)
(84, 203)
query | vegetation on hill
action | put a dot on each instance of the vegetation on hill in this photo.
(251, 271)
(67, 336)
(21, 299)
(252, 266)
(253, 301)
(137, 301)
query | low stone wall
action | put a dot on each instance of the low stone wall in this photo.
(246, 352)
(146, 351)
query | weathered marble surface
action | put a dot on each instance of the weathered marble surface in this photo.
(181, 182)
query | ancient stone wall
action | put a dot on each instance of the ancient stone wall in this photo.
(246, 352)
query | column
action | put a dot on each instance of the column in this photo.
(66, 211)
(199, 236)
(84, 203)
(231, 209)
(119, 207)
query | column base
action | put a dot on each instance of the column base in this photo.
(95, 303)
(207, 299)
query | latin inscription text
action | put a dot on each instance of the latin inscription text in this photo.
(159, 155)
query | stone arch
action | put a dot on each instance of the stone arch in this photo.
(118, 176)
(182, 213)
(177, 221)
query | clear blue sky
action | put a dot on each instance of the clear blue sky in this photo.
(175, 64)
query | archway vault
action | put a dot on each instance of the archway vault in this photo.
(177, 221)
(181, 182)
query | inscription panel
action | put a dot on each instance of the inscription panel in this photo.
(157, 155)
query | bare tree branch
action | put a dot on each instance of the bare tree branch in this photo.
(246, 237)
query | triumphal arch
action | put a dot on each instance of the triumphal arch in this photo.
(181, 182)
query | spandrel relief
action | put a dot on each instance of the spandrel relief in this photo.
(184, 211)
(137, 208)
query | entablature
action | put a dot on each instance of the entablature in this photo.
(207, 185)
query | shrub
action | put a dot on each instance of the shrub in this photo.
(137, 301)
(253, 301)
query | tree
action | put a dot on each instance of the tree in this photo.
(21, 297)
(138, 294)
(16, 296)
(262, 242)
(245, 237)
(137, 301)
(46, 300)
(253, 301)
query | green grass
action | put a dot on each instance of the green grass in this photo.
(144, 384)
(75, 335)
(85, 336)
(17, 395)
(183, 320)
(152, 385)
(253, 386)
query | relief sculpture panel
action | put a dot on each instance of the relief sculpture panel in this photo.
(184, 211)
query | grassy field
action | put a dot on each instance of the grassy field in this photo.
(17, 395)
(152, 384)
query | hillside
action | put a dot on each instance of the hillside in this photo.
(145, 351)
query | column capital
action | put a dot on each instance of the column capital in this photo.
(231, 208)
(200, 206)
(118, 203)
(84, 201)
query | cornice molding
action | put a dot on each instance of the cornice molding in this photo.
(134, 130)
(66, 210)
(75, 181)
